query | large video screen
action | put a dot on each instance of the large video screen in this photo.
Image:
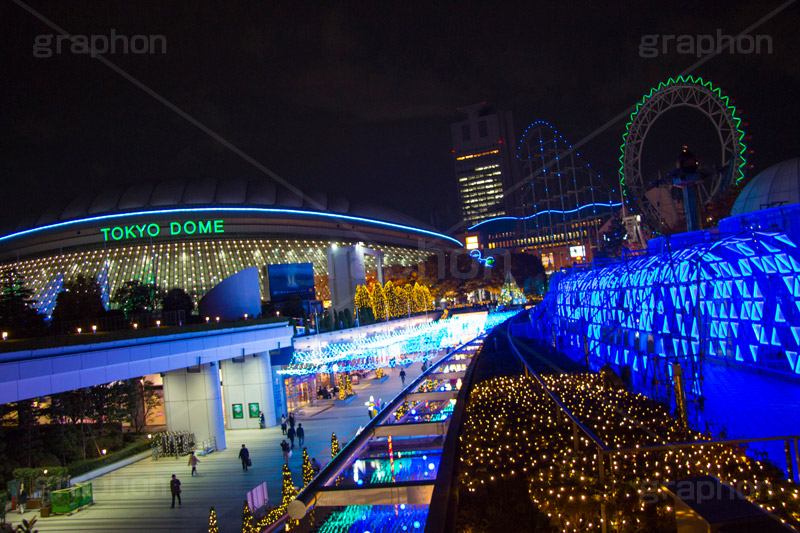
(291, 278)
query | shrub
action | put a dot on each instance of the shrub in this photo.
(81, 467)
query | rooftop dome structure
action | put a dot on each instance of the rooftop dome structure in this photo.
(778, 185)
(206, 192)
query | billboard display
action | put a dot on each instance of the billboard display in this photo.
(291, 278)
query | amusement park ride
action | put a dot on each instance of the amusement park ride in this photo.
(679, 201)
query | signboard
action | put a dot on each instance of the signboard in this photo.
(291, 278)
(151, 229)
(254, 410)
(577, 251)
(238, 411)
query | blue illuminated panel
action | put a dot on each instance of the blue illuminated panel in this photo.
(736, 299)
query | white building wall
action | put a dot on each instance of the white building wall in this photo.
(246, 382)
(193, 402)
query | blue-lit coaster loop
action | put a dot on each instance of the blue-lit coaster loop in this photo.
(489, 261)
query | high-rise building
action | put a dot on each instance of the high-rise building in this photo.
(486, 169)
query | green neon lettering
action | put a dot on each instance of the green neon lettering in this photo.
(114, 231)
(141, 229)
(204, 226)
(129, 232)
(186, 226)
(218, 226)
(153, 230)
(174, 228)
(104, 231)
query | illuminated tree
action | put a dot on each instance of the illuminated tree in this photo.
(417, 298)
(136, 297)
(363, 302)
(510, 292)
(308, 471)
(348, 385)
(248, 522)
(392, 304)
(427, 298)
(342, 388)
(334, 445)
(289, 493)
(378, 302)
(403, 302)
(212, 522)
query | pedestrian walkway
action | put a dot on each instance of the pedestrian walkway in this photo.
(137, 498)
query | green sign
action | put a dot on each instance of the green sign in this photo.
(238, 411)
(254, 410)
(139, 231)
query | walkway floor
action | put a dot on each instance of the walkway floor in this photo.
(137, 498)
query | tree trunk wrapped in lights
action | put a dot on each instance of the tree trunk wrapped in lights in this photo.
(334, 445)
(378, 302)
(342, 388)
(348, 385)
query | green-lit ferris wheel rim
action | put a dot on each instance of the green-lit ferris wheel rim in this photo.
(739, 149)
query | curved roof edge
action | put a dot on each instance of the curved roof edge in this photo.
(230, 209)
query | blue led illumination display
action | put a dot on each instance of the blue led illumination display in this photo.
(735, 299)
(241, 210)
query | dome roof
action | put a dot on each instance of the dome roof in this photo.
(207, 192)
(778, 185)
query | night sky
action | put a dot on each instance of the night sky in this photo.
(357, 99)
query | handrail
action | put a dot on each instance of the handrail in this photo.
(576, 423)
(604, 450)
(444, 499)
(300, 505)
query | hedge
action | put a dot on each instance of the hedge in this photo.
(87, 465)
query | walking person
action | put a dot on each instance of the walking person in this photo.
(301, 434)
(193, 460)
(291, 421)
(175, 489)
(283, 424)
(23, 498)
(285, 450)
(244, 456)
(261, 420)
(291, 433)
(403, 376)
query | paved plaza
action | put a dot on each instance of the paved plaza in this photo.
(137, 497)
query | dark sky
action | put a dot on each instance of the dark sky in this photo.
(358, 98)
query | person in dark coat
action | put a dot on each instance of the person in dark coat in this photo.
(261, 420)
(301, 434)
(23, 498)
(403, 376)
(291, 421)
(291, 433)
(175, 489)
(285, 450)
(244, 456)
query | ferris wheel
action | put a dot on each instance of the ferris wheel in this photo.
(652, 197)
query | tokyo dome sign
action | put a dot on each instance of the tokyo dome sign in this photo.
(139, 231)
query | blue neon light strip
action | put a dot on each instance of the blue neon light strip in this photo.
(263, 210)
(558, 211)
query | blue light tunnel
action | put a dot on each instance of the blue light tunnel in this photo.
(736, 299)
